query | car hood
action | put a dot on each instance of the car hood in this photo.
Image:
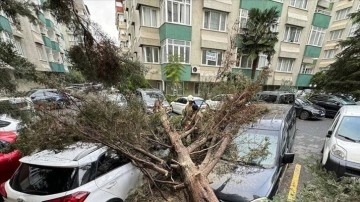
(8, 136)
(243, 183)
(352, 150)
(313, 107)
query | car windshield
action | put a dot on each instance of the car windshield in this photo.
(345, 100)
(304, 102)
(349, 128)
(152, 96)
(42, 180)
(199, 102)
(254, 147)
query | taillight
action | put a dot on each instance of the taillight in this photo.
(2, 190)
(75, 197)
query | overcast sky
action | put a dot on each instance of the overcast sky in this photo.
(103, 13)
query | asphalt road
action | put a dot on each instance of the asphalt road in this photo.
(309, 141)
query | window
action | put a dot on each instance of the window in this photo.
(40, 51)
(285, 65)
(336, 34)
(148, 16)
(306, 68)
(212, 57)
(342, 14)
(108, 162)
(329, 53)
(244, 16)
(316, 36)
(35, 27)
(353, 29)
(151, 54)
(275, 27)
(18, 46)
(292, 34)
(5, 36)
(176, 47)
(177, 11)
(215, 20)
(299, 3)
(244, 61)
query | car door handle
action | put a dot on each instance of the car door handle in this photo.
(111, 184)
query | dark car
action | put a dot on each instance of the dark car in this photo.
(276, 97)
(306, 109)
(254, 162)
(331, 103)
(50, 98)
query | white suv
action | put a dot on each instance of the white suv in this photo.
(341, 152)
(82, 172)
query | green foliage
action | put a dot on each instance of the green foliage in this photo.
(320, 79)
(15, 9)
(174, 69)
(287, 86)
(257, 36)
(74, 76)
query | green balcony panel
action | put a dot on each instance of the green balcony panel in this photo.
(42, 18)
(174, 31)
(303, 80)
(260, 4)
(186, 75)
(49, 24)
(47, 41)
(312, 51)
(321, 20)
(55, 46)
(5, 24)
(56, 67)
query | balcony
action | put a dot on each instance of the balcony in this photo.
(297, 17)
(324, 3)
(47, 41)
(5, 24)
(175, 31)
(214, 40)
(312, 51)
(151, 3)
(261, 4)
(42, 18)
(56, 67)
(221, 5)
(303, 80)
(49, 24)
(149, 36)
(55, 46)
(321, 20)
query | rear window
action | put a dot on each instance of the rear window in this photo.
(41, 180)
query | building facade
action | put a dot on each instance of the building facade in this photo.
(199, 32)
(45, 43)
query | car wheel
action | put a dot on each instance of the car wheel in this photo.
(304, 115)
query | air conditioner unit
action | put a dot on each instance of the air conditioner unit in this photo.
(195, 70)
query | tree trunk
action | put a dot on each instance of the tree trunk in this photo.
(254, 66)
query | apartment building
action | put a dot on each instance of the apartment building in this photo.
(199, 32)
(45, 43)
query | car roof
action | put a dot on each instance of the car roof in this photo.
(72, 156)
(273, 119)
(195, 98)
(148, 90)
(274, 92)
(350, 110)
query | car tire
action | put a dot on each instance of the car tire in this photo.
(304, 115)
(115, 200)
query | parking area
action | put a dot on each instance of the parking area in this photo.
(308, 142)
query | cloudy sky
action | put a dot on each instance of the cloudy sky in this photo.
(103, 13)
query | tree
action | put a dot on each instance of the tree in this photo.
(344, 74)
(257, 36)
(320, 79)
(173, 70)
(129, 131)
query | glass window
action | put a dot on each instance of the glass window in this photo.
(316, 36)
(285, 64)
(6, 37)
(18, 46)
(245, 62)
(342, 14)
(108, 162)
(306, 68)
(148, 16)
(349, 128)
(40, 51)
(151, 54)
(292, 34)
(214, 20)
(212, 57)
(336, 34)
(298, 3)
(244, 16)
(353, 29)
(178, 11)
(176, 47)
(275, 27)
(329, 53)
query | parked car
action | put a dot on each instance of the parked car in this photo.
(341, 151)
(276, 97)
(81, 172)
(50, 99)
(149, 96)
(215, 102)
(179, 104)
(331, 103)
(250, 177)
(115, 97)
(306, 109)
(9, 159)
(9, 124)
(18, 103)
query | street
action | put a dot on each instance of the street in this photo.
(308, 142)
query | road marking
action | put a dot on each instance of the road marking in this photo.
(294, 183)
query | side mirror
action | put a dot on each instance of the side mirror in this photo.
(329, 133)
(288, 158)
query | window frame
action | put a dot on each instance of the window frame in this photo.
(287, 69)
(151, 17)
(244, 13)
(329, 53)
(339, 33)
(319, 35)
(302, 4)
(221, 14)
(338, 13)
(19, 46)
(354, 27)
(288, 31)
(218, 52)
(153, 49)
(167, 43)
(187, 16)
(42, 54)
(261, 56)
(306, 68)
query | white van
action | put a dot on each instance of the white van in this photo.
(341, 152)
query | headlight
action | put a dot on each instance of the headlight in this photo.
(338, 152)
(262, 199)
(315, 111)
